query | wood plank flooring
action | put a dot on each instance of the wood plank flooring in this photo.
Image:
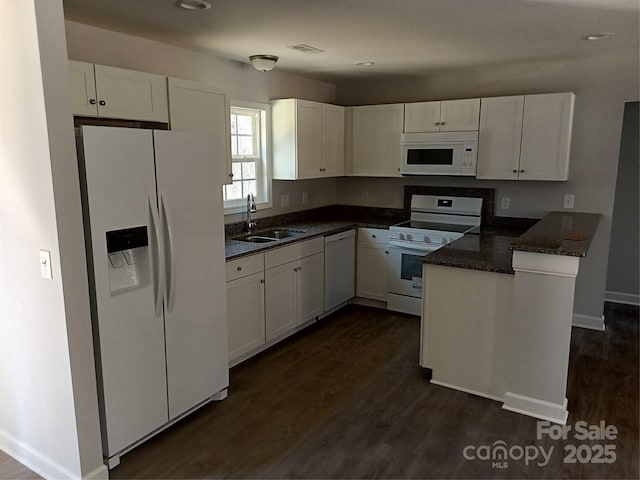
(346, 399)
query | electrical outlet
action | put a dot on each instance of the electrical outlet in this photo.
(45, 264)
(569, 200)
(365, 195)
(505, 203)
(305, 198)
(284, 200)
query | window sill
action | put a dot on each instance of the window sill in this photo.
(232, 209)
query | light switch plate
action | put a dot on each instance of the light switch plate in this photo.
(569, 200)
(305, 198)
(505, 203)
(45, 264)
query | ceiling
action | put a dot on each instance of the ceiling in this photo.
(402, 37)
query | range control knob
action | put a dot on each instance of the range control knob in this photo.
(409, 237)
(444, 240)
(401, 236)
(427, 239)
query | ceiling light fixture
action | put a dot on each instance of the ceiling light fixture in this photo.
(264, 63)
(599, 36)
(365, 64)
(194, 4)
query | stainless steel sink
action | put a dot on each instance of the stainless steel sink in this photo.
(270, 235)
(255, 239)
(280, 233)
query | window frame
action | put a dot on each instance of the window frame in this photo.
(263, 164)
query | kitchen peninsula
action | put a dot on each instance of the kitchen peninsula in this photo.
(509, 340)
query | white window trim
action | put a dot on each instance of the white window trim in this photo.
(266, 153)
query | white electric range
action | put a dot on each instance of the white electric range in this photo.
(435, 221)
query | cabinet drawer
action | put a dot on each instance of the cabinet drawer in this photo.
(373, 235)
(245, 266)
(293, 252)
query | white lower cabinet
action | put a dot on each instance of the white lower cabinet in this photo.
(372, 264)
(245, 305)
(270, 295)
(281, 299)
(310, 284)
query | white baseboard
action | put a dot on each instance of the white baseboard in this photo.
(619, 297)
(100, 473)
(467, 390)
(32, 458)
(588, 321)
(536, 408)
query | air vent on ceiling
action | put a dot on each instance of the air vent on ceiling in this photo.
(305, 48)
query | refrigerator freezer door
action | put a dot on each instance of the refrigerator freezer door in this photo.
(121, 190)
(195, 299)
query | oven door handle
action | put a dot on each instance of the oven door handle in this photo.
(424, 247)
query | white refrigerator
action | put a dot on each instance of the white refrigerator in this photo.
(155, 247)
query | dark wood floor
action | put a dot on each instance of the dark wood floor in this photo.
(346, 399)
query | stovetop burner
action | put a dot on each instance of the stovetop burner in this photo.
(436, 226)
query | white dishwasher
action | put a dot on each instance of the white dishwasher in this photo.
(339, 269)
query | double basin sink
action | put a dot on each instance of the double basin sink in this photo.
(270, 235)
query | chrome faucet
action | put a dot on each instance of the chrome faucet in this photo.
(251, 208)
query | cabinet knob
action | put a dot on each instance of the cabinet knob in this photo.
(522, 171)
(92, 101)
(299, 268)
(443, 123)
(373, 236)
(515, 171)
(102, 102)
(387, 252)
(239, 269)
(262, 280)
(231, 175)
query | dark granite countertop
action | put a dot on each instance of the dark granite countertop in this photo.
(490, 248)
(312, 228)
(560, 233)
(487, 249)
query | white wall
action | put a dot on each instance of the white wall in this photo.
(48, 404)
(241, 80)
(601, 87)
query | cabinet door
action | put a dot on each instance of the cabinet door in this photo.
(204, 108)
(280, 299)
(131, 95)
(191, 224)
(372, 266)
(422, 117)
(499, 137)
(376, 140)
(245, 314)
(83, 88)
(310, 284)
(460, 115)
(309, 139)
(546, 136)
(332, 140)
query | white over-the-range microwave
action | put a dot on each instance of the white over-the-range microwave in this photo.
(442, 153)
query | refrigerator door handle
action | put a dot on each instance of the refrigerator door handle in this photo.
(157, 286)
(169, 264)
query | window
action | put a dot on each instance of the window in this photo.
(250, 167)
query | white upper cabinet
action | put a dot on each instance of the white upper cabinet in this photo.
(500, 137)
(333, 140)
(118, 93)
(445, 116)
(83, 88)
(546, 136)
(308, 139)
(203, 108)
(525, 137)
(375, 140)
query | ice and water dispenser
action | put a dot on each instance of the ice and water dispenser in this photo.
(129, 264)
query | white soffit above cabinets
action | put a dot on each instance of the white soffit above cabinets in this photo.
(402, 37)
